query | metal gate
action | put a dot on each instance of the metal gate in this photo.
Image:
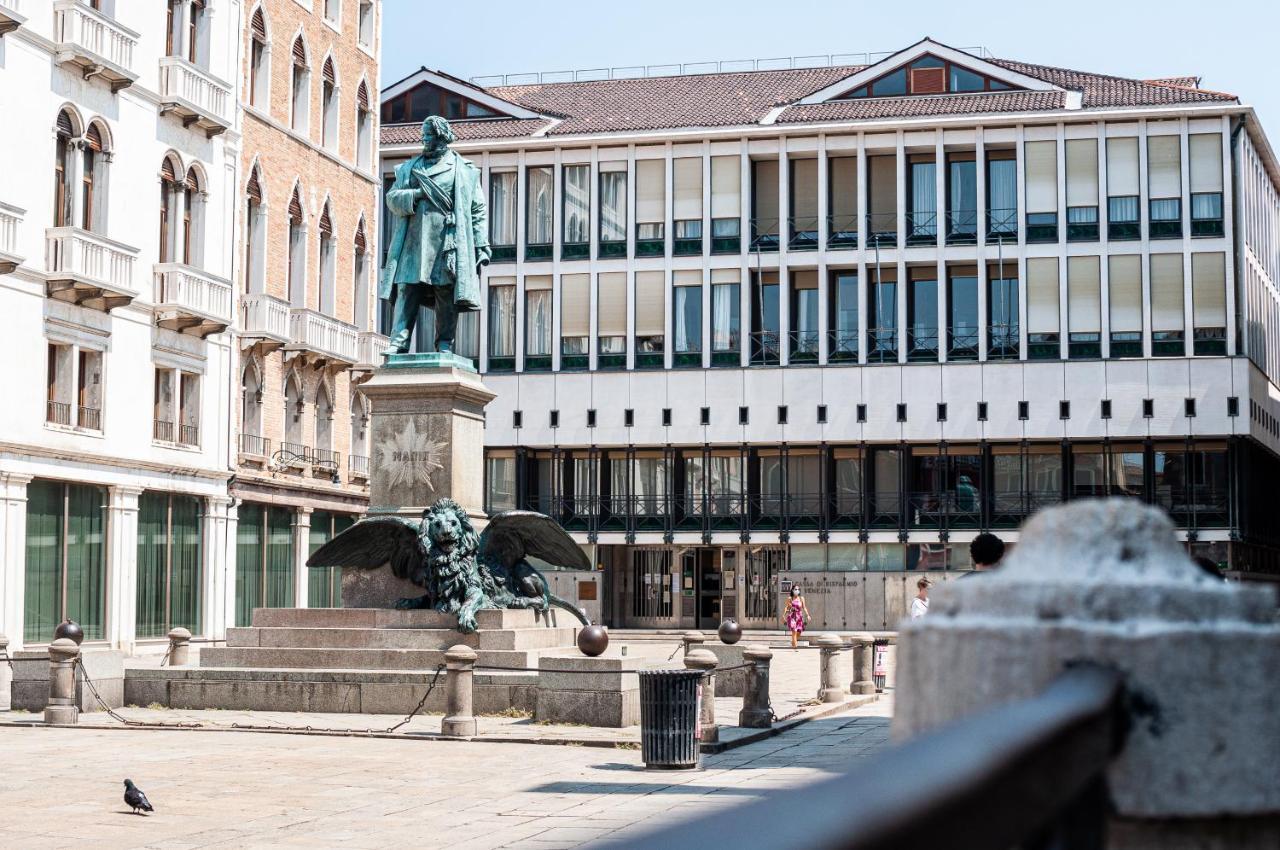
(760, 605)
(649, 588)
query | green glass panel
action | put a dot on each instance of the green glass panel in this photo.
(86, 573)
(185, 565)
(153, 510)
(43, 600)
(279, 559)
(318, 579)
(249, 541)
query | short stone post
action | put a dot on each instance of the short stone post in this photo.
(756, 713)
(179, 647)
(705, 660)
(459, 720)
(693, 640)
(61, 709)
(863, 657)
(6, 676)
(829, 689)
(1107, 582)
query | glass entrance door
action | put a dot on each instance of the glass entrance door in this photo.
(710, 590)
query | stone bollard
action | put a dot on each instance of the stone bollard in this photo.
(706, 661)
(179, 647)
(1107, 582)
(459, 720)
(830, 689)
(692, 640)
(863, 657)
(61, 709)
(756, 712)
(6, 676)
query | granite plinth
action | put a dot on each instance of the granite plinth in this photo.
(429, 360)
(600, 691)
(31, 679)
(376, 588)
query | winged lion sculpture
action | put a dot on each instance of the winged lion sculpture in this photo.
(461, 571)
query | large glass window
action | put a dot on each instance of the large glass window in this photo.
(169, 559)
(1002, 196)
(886, 499)
(500, 483)
(725, 318)
(922, 314)
(803, 342)
(264, 560)
(842, 302)
(577, 211)
(1164, 186)
(849, 486)
(765, 319)
(962, 199)
(687, 317)
(324, 584)
(502, 215)
(962, 315)
(575, 320)
(537, 321)
(539, 217)
(1002, 311)
(65, 559)
(613, 211)
(502, 326)
(882, 315)
(922, 216)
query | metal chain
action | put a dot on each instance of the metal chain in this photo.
(4, 653)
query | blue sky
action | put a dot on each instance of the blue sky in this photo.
(1231, 46)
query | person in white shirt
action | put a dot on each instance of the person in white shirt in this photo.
(920, 605)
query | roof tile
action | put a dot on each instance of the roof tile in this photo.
(864, 109)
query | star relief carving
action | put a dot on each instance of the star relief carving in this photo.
(411, 458)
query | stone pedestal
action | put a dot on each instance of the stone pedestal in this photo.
(31, 679)
(1106, 581)
(601, 691)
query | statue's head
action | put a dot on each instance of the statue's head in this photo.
(448, 527)
(436, 134)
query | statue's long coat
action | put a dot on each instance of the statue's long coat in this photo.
(412, 252)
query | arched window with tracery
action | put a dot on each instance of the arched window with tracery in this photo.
(364, 127)
(329, 105)
(93, 179)
(328, 263)
(297, 252)
(259, 63)
(360, 278)
(63, 166)
(300, 97)
(255, 228)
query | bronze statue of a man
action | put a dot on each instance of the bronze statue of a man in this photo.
(439, 238)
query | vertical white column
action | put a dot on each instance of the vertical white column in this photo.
(1184, 177)
(301, 528)
(557, 240)
(904, 286)
(980, 227)
(824, 283)
(705, 291)
(218, 533)
(784, 241)
(744, 286)
(860, 206)
(522, 230)
(1105, 296)
(1060, 154)
(1064, 311)
(1228, 220)
(13, 555)
(940, 225)
(122, 566)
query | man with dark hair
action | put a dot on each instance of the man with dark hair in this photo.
(986, 550)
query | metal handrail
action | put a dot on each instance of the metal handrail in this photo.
(1032, 768)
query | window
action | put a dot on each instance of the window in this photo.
(169, 190)
(1043, 326)
(744, 416)
(537, 323)
(822, 414)
(74, 386)
(802, 342)
(1122, 189)
(982, 411)
(192, 219)
(725, 317)
(861, 413)
(782, 414)
(1003, 341)
(359, 458)
(686, 212)
(650, 319)
(324, 584)
(1082, 190)
(1024, 410)
(611, 320)
(613, 209)
(922, 208)
(365, 22)
(686, 304)
(882, 315)
(802, 233)
(169, 564)
(704, 416)
(255, 228)
(1041, 159)
(651, 179)
(942, 411)
(539, 217)
(293, 405)
(197, 52)
(764, 205)
(259, 64)
(1209, 303)
(502, 324)
(300, 84)
(842, 303)
(842, 202)
(427, 99)
(264, 560)
(575, 321)
(1148, 408)
(666, 417)
(1124, 283)
(1167, 320)
(364, 127)
(1206, 184)
(1164, 186)
(1064, 410)
(1084, 308)
(962, 314)
(576, 215)
(629, 417)
(322, 448)
(176, 417)
(93, 180)
(902, 412)
(251, 440)
(726, 204)
(882, 201)
(1233, 406)
(360, 279)
(329, 105)
(500, 477)
(922, 313)
(332, 10)
(502, 215)
(297, 256)
(1002, 196)
(327, 282)
(591, 417)
(1189, 407)
(65, 575)
(765, 319)
(64, 154)
(1106, 408)
(962, 199)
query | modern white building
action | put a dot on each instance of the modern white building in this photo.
(827, 324)
(117, 237)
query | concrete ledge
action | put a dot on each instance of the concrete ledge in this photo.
(31, 679)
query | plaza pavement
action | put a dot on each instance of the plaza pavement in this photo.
(62, 788)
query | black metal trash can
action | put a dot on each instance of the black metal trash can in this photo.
(670, 701)
(880, 662)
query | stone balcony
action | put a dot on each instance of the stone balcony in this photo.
(194, 96)
(191, 301)
(94, 43)
(322, 338)
(264, 320)
(88, 269)
(370, 349)
(10, 218)
(11, 15)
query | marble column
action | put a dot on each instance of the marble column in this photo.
(301, 549)
(122, 566)
(13, 555)
(217, 521)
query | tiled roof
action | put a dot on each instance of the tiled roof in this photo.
(1101, 90)
(656, 103)
(488, 128)
(1182, 82)
(913, 107)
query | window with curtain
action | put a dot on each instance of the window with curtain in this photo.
(764, 204)
(962, 199)
(577, 205)
(1003, 339)
(324, 584)
(650, 317)
(922, 314)
(721, 478)
(1002, 195)
(1206, 183)
(766, 320)
(575, 320)
(539, 218)
(500, 483)
(1122, 188)
(1041, 174)
(649, 485)
(842, 201)
(169, 564)
(1082, 189)
(922, 214)
(1209, 303)
(962, 315)
(803, 342)
(1164, 185)
(726, 204)
(502, 319)
(882, 200)
(1167, 319)
(65, 574)
(725, 311)
(882, 315)
(1124, 307)
(264, 560)
(502, 208)
(842, 303)
(611, 318)
(686, 211)
(686, 306)
(1084, 307)
(651, 191)
(537, 318)
(1043, 326)
(804, 204)
(613, 203)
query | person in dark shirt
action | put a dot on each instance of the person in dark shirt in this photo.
(986, 551)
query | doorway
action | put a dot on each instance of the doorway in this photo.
(710, 589)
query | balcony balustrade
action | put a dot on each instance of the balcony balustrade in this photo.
(194, 96)
(265, 319)
(94, 43)
(87, 269)
(371, 345)
(255, 446)
(162, 430)
(10, 218)
(358, 467)
(191, 301)
(323, 337)
(12, 15)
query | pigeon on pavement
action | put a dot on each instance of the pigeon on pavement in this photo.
(135, 799)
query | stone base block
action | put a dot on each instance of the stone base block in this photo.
(31, 679)
(392, 618)
(378, 588)
(601, 691)
(734, 682)
(591, 708)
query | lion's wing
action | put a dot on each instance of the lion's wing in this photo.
(513, 535)
(372, 542)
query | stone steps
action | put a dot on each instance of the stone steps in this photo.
(390, 618)
(403, 638)
(330, 658)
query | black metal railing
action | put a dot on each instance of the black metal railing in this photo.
(162, 430)
(922, 344)
(962, 343)
(766, 348)
(882, 230)
(1002, 342)
(922, 228)
(882, 345)
(962, 227)
(58, 412)
(802, 346)
(89, 418)
(326, 459)
(189, 435)
(803, 233)
(1029, 773)
(842, 346)
(358, 465)
(292, 454)
(764, 234)
(842, 231)
(252, 444)
(1002, 225)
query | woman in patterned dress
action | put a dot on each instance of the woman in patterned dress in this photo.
(795, 614)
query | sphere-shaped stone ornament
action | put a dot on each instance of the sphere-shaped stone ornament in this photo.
(729, 632)
(592, 640)
(69, 629)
